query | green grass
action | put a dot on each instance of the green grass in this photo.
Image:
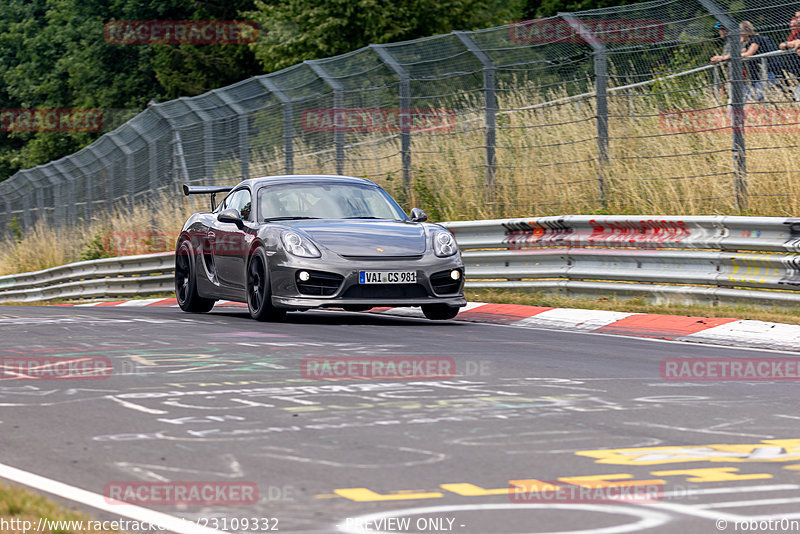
(24, 505)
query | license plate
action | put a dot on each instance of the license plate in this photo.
(387, 277)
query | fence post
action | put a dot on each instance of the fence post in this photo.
(152, 157)
(601, 99)
(338, 106)
(27, 201)
(737, 102)
(405, 111)
(9, 213)
(41, 213)
(130, 174)
(244, 131)
(72, 214)
(12, 183)
(56, 185)
(208, 139)
(489, 107)
(288, 121)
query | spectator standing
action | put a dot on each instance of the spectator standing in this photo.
(752, 44)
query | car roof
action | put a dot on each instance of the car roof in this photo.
(305, 179)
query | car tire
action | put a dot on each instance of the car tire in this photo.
(439, 312)
(259, 294)
(186, 282)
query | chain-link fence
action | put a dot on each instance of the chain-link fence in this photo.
(612, 110)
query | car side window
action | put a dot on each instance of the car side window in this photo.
(241, 202)
(224, 204)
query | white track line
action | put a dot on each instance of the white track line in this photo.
(716, 491)
(71, 493)
(745, 504)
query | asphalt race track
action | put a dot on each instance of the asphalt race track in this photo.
(219, 399)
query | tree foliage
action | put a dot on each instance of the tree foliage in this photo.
(296, 30)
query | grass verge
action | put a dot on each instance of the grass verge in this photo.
(20, 504)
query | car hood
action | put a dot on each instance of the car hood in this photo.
(379, 238)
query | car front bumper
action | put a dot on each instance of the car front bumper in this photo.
(286, 294)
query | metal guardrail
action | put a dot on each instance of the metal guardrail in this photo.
(705, 259)
(700, 259)
(110, 277)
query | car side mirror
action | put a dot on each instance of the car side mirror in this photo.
(417, 215)
(230, 215)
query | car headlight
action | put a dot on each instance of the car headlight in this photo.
(298, 245)
(443, 244)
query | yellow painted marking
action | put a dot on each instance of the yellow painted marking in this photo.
(711, 474)
(795, 467)
(603, 481)
(366, 495)
(771, 450)
(471, 490)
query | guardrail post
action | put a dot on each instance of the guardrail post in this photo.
(601, 99)
(489, 107)
(405, 111)
(338, 106)
(737, 102)
(288, 121)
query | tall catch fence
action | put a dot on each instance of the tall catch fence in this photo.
(612, 110)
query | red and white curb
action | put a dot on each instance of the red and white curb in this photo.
(714, 330)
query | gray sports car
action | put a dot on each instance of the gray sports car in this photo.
(284, 243)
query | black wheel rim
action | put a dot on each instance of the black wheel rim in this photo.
(182, 273)
(256, 285)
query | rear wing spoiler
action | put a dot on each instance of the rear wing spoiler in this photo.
(206, 190)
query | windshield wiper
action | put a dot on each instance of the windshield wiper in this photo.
(287, 218)
(363, 217)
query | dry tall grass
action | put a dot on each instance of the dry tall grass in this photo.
(546, 165)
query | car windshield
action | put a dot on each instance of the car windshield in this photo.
(327, 200)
